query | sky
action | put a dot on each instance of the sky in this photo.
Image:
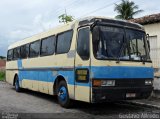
(23, 18)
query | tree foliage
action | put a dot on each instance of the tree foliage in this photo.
(127, 10)
(64, 18)
(2, 57)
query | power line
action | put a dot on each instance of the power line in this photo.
(74, 4)
(99, 9)
(57, 11)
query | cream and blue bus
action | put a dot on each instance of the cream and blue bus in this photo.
(93, 60)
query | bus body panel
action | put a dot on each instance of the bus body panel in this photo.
(40, 73)
(82, 87)
(129, 78)
(13, 70)
(121, 72)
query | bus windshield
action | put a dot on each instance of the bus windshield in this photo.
(111, 42)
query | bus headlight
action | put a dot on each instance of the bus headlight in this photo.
(103, 83)
(108, 83)
(148, 82)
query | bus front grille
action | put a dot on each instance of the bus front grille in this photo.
(130, 82)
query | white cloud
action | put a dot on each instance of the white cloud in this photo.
(37, 19)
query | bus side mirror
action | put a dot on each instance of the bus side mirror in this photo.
(148, 43)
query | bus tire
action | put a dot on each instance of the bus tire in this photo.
(17, 87)
(63, 96)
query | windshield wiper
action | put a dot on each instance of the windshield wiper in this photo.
(121, 50)
(120, 53)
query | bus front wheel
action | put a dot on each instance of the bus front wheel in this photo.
(63, 96)
(17, 87)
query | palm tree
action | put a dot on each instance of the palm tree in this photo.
(126, 10)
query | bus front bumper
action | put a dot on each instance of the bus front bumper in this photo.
(104, 94)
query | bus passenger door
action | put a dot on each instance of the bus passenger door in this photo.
(82, 65)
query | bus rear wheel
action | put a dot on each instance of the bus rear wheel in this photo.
(17, 87)
(63, 96)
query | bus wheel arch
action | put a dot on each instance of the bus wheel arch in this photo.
(16, 83)
(61, 90)
(56, 83)
(15, 77)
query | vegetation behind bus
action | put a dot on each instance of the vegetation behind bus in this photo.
(2, 75)
(64, 18)
(127, 10)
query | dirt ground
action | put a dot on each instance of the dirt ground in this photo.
(33, 104)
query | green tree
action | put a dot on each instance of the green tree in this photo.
(2, 57)
(127, 9)
(64, 18)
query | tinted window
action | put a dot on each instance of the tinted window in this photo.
(16, 53)
(109, 42)
(10, 55)
(34, 49)
(48, 46)
(83, 43)
(137, 44)
(24, 51)
(64, 42)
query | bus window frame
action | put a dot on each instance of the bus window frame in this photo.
(78, 29)
(40, 40)
(13, 59)
(124, 27)
(41, 46)
(7, 55)
(28, 52)
(57, 41)
(39, 49)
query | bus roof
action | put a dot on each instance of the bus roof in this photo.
(113, 20)
(68, 26)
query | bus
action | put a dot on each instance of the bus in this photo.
(94, 59)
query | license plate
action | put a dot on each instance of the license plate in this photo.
(130, 95)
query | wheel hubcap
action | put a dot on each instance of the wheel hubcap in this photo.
(62, 94)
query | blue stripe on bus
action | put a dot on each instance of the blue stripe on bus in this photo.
(19, 64)
(48, 76)
(98, 72)
(122, 72)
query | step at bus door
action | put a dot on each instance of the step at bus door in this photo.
(82, 65)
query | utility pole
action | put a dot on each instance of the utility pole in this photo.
(65, 12)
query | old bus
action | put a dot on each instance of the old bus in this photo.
(93, 60)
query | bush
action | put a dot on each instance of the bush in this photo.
(2, 75)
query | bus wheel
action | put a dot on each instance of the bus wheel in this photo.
(17, 87)
(63, 96)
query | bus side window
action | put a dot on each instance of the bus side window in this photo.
(83, 43)
(48, 46)
(34, 49)
(10, 55)
(24, 51)
(64, 42)
(16, 53)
